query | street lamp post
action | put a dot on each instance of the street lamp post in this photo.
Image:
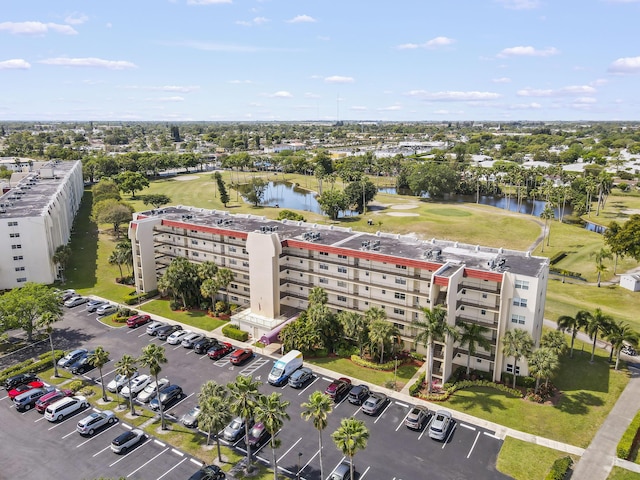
(298, 473)
(395, 372)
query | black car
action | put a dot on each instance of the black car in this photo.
(12, 382)
(204, 344)
(167, 395)
(358, 394)
(209, 472)
(164, 332)
(82, 365)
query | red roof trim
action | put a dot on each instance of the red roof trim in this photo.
(205, 229)
(482, 275)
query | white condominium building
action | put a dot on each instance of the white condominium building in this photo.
(36, 216)
(277, 263)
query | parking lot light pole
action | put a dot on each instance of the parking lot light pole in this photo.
(298, 474)
(395, 372)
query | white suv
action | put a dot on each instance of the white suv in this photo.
(65, 406)
(119, 382)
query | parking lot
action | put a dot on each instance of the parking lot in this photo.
(393, 452)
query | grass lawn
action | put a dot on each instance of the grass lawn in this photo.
(346, 367)
(110, 321)
(618, 473)
(539, 459)
(197, 319)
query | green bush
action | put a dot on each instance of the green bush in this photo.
(623, 450)
(557, 257)
(233, 332)
(75, 385)
(413, 389)
(559, 469)
(27, 366)
(375, 366)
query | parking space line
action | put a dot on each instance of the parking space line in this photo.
(108, 373)
(380, 416)
(177, 347)
(179, 402)
(474, 445)
(142, 334)
(305, 388)
(283, 455)
(98, 453)
(402, 422)
(204, 356)
(97, 435)
(129, 453)
(158, 442)
(127, 426)
(69, 434)
(341, 460)
(327, 379)
(6, 396)
(39, 419)
(340, 402)
(444, 444)
(171, 469)
(310, 460)
(356, 412)
(133, 330)
(197, 462)
(189, 352)
(492, 435)
(60, 423)
(147, 462)
(177, 452)
(223, 362)
(470, 427)
(364, 473)
(426, 428)
(402, 404)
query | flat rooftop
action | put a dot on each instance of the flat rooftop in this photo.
(403, 246)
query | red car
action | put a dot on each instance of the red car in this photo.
(43, 402)
(24, 388)
(338, 388)
(137, 320)
(241, 355)
(219, 350)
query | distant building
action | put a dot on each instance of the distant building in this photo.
(277, 263)
(630, 281)
(36, 216)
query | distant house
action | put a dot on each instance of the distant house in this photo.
(630, 281)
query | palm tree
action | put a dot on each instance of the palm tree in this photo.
(351, 436)
(209, 288)
(598, 322)
(126, 366)
(554, 340)
(47, 319)
(517, 343)
(355, 328)
(207, 270)
(433, 328)
(542, 364)
(317, 296)
(573, 324)
(271, 411)
(473, 335)
(99, 358)
(380, 331)
(546, 214)
(61, 257)
(600, 256)
(244, 394)
(224, 277)
(317, 409)
(619, 335)
(153, 356)
(214, 410)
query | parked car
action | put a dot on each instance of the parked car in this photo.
(204, 344)
(65, 406)
(176, 337)
(338, 389)
(67, 294)
(257, 434)
(209, 472)
(75, 301)
(440, 425)
(629, 350)
(26, 400)
(135, 321)
(44, 401)
(240, 356)
(71, 357)
(191, 418)
(191, 339)
(358, 394)
(235, 429)
(19, 379)
(93, 304)
(25, 387)
(106, 309)
(163, 332)
(300, 377)
(153, 327)
(417, 418)
(95, 421)
(127, 440)
(167, 395)
(219, 350)
(149, 392)
(82, 365)
(119, 382)
(137, 385)
(341, 472)
(375, 403)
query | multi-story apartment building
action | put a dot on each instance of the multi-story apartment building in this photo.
(277, 263)
(36, 216)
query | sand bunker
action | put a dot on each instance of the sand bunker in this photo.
(186, 178)
(403, 214)
(404, 206)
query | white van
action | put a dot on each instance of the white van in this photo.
(284, 367)
(65, 406)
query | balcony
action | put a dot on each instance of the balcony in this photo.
(480, 288)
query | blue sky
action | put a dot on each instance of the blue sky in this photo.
(289, 60)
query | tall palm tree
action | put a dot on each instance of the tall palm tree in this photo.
(244, 394)
(207, 270)
(542, 364)
(473, 335)
(272, 412)
(46, 320)
(214, 410)
(224, 277)
(433, 328)
(380, 331)
(547, 214)
(517, 343)
(99, 358)
(153, 357)
(355, 327)
(317, 296)
(555, 340)
(61, 257)
(600, 256)
(126, 366)
(619, 335)
(598, 323)
(318, 409)
(352, 435)
(573, 325)
(209, 288)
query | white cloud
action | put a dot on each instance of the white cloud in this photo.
(454, 95)
(166, 88)
(430, 44)
(311, 95)
(625, 65)
(254, 22)
(76, 18)
(528, 52)
(240, 82)
(207, 2)
(281, 94)
(585, 100)
(89, 62)
(170, 99)
(36, 28)
(391, 108)
(501, 80)
(302, 19)
(15, 64)
(599, 82)
(339, 79)
(358, 108)
(525, 106)
(561, 92)
(109, 25)
(520, 4)
(447, 112)
(408, 46)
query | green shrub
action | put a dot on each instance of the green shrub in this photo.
(557, 257)
(559, 469)
(27, 366)
(413, 389)
(623, 450)
(417, 356)
(375, 366)
(75, 385)
(233, 332)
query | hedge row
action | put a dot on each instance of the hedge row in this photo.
(451, 388)
(43, 363)
(375, 366)
(413, 389)
(133, 298)
(559, 469)
(557, 257)
(623, 450)
(235, 333)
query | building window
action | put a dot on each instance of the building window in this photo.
(342, 257)
(195, 254)
(244, 251)
(483, 312)
(13, 224)
(384, 277)
(323, 280)
(366, 289)
(518, 319)
(342, 298)
(21, 279)
(342, 284)
(194, 242)
(400, 296)
(234, 298)
(232, 262)
(401, 281)
(18, 257)
(16, 247)
(366, 274)
(399, 326)
(232, 249)
(484, 295)
(245, 264)
(234, 286)
(14, 235)
(522, 284)
(323, 266)
(402, 267)
(519, 302)
(342, 270)
(510, 368)
(326, 254)
(19, 269)
(384, 292)
(246, 289)
(398, 311)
